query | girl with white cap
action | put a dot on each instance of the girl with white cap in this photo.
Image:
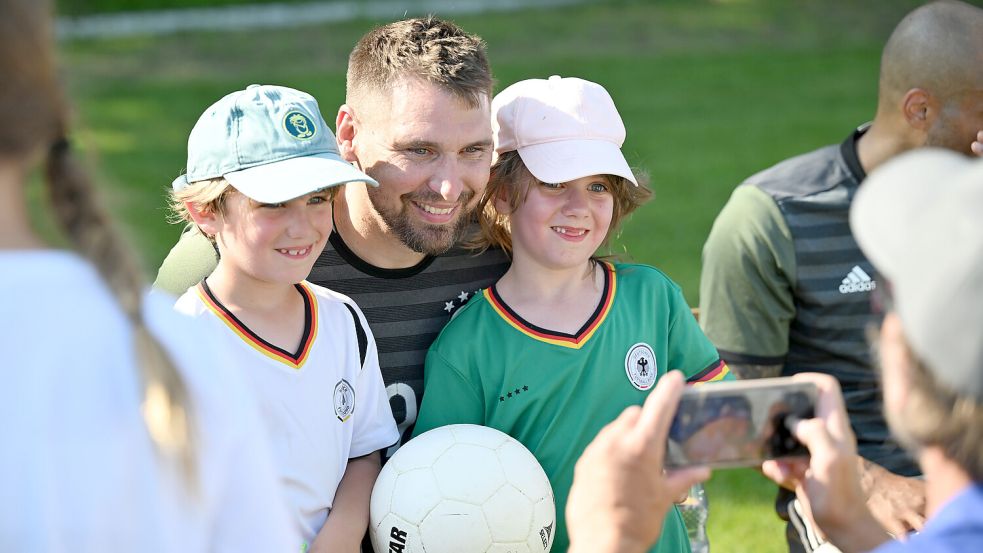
(566, 339)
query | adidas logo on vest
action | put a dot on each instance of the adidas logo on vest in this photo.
(857, 280)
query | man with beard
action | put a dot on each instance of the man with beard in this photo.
(417, 120)
(786, 289)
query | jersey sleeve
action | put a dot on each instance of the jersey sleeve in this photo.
(375, 427)
(448, 396)
(190, 260)
(689, 349)
(746, 302)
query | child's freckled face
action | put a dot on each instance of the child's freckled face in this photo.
(275, 242)
(562, 225)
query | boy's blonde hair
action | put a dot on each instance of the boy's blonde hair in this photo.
(511, 180)
(208, 196)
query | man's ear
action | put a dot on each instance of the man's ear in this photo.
(345, 133)
(207, 221)
(919, 108)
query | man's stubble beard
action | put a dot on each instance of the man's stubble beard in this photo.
(416, 235)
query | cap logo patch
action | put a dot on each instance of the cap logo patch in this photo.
(299, 125)
(344, 400)
(640, 366)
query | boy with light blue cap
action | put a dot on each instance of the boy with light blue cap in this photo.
(263, 167)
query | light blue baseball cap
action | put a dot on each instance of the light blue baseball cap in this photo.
(270, 142)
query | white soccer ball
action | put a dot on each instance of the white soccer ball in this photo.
(462, 488)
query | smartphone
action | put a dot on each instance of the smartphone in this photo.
(738, 424)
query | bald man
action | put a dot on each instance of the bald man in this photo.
(786, 289)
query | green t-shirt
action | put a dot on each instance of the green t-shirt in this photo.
(746, 300)
(553, 392)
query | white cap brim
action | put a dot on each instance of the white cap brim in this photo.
(567, 160)
(291, 178)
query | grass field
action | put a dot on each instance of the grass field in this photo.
(90, 7)
(711, 91)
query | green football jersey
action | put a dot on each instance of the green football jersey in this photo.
(554, 391)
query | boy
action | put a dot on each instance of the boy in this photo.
(262, 170)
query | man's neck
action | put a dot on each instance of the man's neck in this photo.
(239, 291)
(561, 300)
(881, 142)
(366, 235)
(943, 478)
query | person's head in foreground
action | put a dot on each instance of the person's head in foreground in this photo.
(918, 219)
(560, 185)
(263, 167)
(416, 120)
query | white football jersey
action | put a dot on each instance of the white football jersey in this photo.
(322, 404)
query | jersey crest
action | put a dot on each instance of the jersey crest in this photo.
(344, 400)
(640, 366)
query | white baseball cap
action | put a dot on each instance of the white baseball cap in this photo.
(563, 128)
(270, 142)
(919, 219)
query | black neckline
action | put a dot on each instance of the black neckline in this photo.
(308, 320)
(357, 262)
(848, 149)
(493, 290)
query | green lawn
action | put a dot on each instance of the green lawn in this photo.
(88, 7)
(711, 91)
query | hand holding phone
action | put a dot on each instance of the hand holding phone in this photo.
(742, 423)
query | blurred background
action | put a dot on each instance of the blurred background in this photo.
(711, 92)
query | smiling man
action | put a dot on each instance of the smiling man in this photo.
(416, 119)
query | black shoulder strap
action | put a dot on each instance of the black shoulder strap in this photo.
(363, 340)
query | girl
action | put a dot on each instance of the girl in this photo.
(565, 340)
(118, 433)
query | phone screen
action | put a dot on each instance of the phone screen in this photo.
(739, 423)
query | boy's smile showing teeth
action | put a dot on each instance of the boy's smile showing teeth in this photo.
(295, 252)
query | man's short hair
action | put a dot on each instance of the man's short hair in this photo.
(935, 47)
(429, 49)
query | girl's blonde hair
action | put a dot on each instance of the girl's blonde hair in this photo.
(511, 180)
(34, 116)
